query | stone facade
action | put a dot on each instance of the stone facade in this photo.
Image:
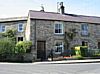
(42, 29)
(13, 25)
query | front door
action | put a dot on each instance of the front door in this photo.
(41, 50)
(98, 45)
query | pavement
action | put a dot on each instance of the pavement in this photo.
(60, 62)
(70, 61)
(36, 68)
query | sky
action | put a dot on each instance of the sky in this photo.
(18, 8)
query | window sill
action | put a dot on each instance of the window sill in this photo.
(58, 34)
(20, 31)
(3, 32)
(57, 52)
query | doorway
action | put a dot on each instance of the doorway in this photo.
(98, 45)
(41, 50)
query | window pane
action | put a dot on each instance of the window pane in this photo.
(0, 28)
(3, 28)
(59, 47)
(56, 26)
(60, 30)
(84, 29)
(60, 26)
(56, 31)
(20, 27)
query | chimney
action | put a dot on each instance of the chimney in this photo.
(62, 10)
(42, 8)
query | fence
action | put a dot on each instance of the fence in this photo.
(84, 53)
(92, 52)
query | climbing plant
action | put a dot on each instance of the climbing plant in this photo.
(68, 37)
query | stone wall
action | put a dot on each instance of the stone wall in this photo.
(43, 30)
(14, 25)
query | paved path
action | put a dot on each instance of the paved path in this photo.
(71, 61)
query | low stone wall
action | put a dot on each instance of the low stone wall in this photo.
(27, 57)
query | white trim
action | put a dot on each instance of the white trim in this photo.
(22, 27)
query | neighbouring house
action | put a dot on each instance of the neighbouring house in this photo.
(46, 30)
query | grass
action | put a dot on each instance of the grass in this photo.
(79, 57)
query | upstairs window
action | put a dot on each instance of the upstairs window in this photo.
(20, 27)
(58, 28)
(2, 28)
(84, 28)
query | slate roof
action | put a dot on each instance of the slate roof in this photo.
(12, 19)
(63, 17)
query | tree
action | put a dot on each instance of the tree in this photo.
(10, 34)
(6, 46)
(7, 41)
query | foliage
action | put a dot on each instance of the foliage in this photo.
(79, 57)
(23, 46)
(81, 50)
(97, 55)
(11, 34)
(69, 36)
(84, 51)
(6, 46)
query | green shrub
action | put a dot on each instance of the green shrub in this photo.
(23, 46)
(84, 51)
(77, 50)
(81, 50)
(6, 46)
(11, 34)
(97, 55)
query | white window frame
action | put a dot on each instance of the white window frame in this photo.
(59, 28)
(1, 28)
(19, 27)
(62, 46)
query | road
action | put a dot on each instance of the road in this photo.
(31, 68)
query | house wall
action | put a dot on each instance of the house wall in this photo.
(27, 30)
(91, 38)
(14, 25)
(43, 30)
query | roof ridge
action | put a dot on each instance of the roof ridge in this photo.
(44, 12)
(13, 17)
(66, 14)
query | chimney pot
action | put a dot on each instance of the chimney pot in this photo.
(62, 10)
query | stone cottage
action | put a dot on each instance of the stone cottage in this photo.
(47, 30)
